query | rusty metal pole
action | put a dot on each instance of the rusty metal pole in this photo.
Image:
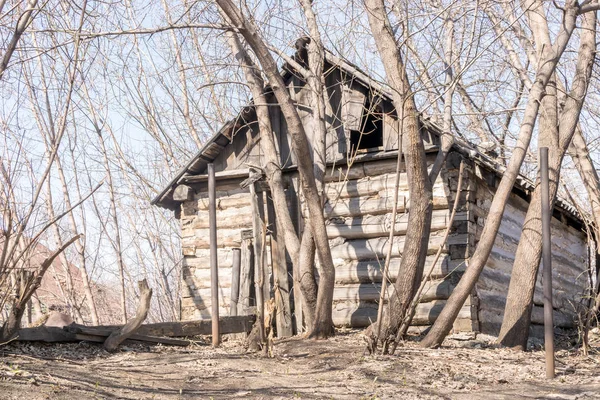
(547, 263)
(214, 266)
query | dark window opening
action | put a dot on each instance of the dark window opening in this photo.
(370, 135)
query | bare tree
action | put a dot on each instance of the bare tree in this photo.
(544, 73)
(323, 324)
(419, 220)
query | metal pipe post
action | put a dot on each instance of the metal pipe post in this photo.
(214, 266)
(547, 263)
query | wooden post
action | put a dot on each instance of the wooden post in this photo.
(283, 317)
(214, 266)
(246, 272)
(235, 282)
(547, 263)
(257, 228)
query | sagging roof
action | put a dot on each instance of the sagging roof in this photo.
(223, 137)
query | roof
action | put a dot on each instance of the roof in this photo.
(218, 141)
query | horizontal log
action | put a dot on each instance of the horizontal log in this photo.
(370, 271)
(434, 290)
(368, 186)
(363, 314)
(371, 226)
(491, 310)
(376, 248)
(376, 205)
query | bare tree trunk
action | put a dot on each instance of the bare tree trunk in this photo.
(272, 166)
(117, 337)
(419, 184)
(323, 326)
(517, 314)
(445, 320)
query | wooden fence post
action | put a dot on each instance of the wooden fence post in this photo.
(214, 266)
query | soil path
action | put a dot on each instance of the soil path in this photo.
(332, 369)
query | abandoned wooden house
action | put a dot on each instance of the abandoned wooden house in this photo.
(362, 150)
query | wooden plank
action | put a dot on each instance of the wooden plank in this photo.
(49, 334)
(246, 275)
(283, 318)
(235, 282)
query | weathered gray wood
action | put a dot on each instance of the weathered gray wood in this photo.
(246, 274)
(98, 334)
(183, 193)
(371, 226)
(363, 314)
(281, 287)
(369, 271)
(376, 248)
(352, 107)
(235, 282)
(119, 335)
(259, 250)
(214, 264)
(49, 334)
(435, 290)
(238, 324)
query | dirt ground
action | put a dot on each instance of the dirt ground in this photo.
(303, 369)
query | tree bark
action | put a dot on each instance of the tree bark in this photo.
(272, 165)
(556, 136)
(117, 337)
(419, 184)
(445, 320)
(323, 326)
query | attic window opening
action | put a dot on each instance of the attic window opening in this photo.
(370, 135)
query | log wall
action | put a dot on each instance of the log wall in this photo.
(569, 265)
(358, 214)
(234, 215)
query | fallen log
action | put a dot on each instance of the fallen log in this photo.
(161, 332)
(76, 333)
(48, 334)
(231, 324)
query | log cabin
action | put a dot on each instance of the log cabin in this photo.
(361, 152)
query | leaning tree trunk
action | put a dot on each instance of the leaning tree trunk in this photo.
(323, 326)
(517, 314)
(419, 185)
(445, 320)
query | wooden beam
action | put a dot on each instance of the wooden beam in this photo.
(239, 324)
(183, 193)
(214, 266)
(246, 272)
(281, 284)
(235, 282)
